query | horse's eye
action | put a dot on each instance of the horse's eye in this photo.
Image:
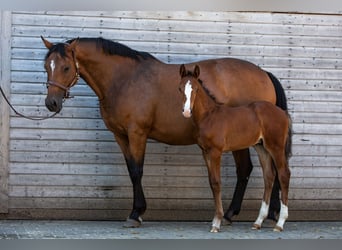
(66, 69)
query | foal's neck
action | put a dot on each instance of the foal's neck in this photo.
(204, 103)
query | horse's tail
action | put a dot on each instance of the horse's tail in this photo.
(282, 103)
(288, 145)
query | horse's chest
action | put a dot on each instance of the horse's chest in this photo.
(122, 113)
(113, 117)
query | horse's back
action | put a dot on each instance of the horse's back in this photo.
(236, 82)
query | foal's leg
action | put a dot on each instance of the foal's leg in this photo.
(243, 170)
(268, 175)
(133, 148)
(213, 161)
(284, 179)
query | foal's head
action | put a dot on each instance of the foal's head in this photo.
(188, 87)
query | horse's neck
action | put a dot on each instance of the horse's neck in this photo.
(101, 73)
(203, 104)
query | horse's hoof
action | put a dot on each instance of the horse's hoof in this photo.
(131, 223)
(214, 230)
(256, 227)
(269, 223)
(228, 216)
(272, 216)
(226, 222)
(277, 229)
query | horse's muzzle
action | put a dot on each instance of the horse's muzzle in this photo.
(54, 104)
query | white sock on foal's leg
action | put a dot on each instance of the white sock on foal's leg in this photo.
(284, 213)
(216, 224)
(262, 215)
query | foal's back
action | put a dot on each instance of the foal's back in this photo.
(235, 128)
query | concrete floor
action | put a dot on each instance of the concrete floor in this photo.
(35, 229)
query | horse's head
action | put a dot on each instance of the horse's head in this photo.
(62, 72)
(188, 87)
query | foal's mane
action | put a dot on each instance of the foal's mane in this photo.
(107, 46)
(207, 91)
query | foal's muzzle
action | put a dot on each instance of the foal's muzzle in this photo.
(187, 113)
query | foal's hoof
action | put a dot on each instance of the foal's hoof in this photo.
(214, 230)
(131, 223)
(277, 229)
(256, 226)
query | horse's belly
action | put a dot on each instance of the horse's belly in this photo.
(172, 138)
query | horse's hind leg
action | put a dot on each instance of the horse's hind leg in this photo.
(213, 161)
(133, 148)
(243, 170)
(274, 203)
(268, 175)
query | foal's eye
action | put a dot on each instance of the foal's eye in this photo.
(66, 69)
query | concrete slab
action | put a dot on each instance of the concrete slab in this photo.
(33, 229)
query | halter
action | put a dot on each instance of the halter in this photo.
(73, 82)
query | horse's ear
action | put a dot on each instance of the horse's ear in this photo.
(197, 71)
(47, 43)
(74, 43)
(182, 70)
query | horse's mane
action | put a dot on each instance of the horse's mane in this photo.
(58, 48)
(107, 46)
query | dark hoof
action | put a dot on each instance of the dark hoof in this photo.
(131, 223)
(269, 223)
(226, 222)
(227, 218)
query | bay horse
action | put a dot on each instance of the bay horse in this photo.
(138, 98)
(221, 128)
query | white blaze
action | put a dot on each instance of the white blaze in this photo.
(52, 66)
(187, 92)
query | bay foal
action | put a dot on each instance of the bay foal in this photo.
(222, 128)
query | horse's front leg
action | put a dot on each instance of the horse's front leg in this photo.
(213, 161)
(133, 148)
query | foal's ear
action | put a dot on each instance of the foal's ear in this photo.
(197, 71)
(182, 70)
(47, 44)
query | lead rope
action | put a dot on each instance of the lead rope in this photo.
(22, 115)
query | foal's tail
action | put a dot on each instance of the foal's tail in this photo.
(281, 102)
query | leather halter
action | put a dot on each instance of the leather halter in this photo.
(73, 82)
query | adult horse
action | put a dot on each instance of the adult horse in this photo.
(139, 99)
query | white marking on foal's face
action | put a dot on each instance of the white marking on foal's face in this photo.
(52, 66)
(187, 104)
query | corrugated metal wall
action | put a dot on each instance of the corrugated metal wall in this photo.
(70, 166)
